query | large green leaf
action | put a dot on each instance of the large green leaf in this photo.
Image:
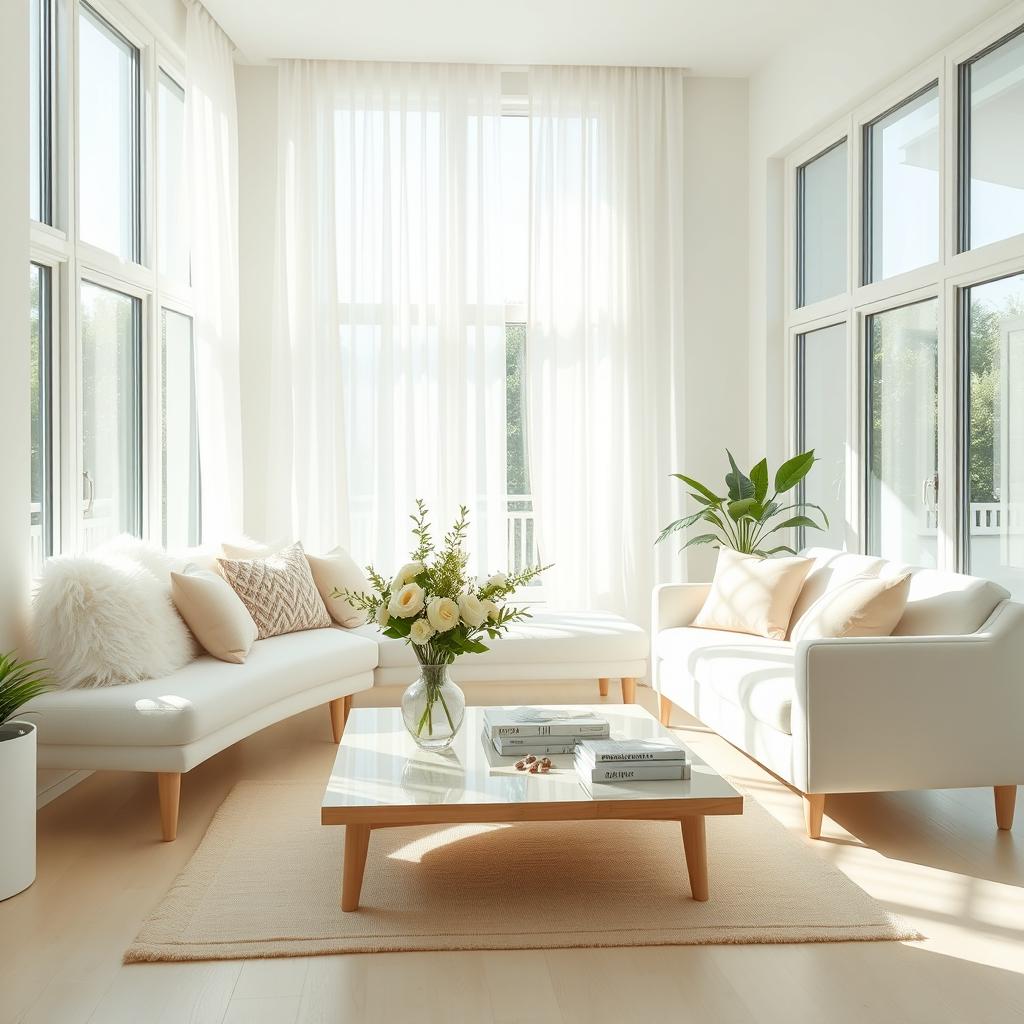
(759, 478)
(680, 524)
(697, 486)
(740, 486)
(703, 538)
(744, 507)
(793, 523)
(793, 470)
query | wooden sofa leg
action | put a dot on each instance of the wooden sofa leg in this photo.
(664, 710)
(602, 687)
(814, 810)
(339, 716)
(1006, 798)
(628, 690)
(168, 785)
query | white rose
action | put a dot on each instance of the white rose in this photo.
(406, 602)
(472, 611)
(382, 615)
(421, 631)
(491, 609)
(443, 614)
(499, 579)
(407, 574)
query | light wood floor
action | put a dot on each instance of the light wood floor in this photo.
(934, 857)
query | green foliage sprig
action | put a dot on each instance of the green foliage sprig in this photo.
(745, 517)
(20, 682)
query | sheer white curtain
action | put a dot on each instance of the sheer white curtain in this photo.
(604, 343)
(211, 142)
(389, 361)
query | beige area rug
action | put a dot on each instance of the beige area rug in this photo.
(266, 880)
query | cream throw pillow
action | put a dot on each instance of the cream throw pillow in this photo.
(862, 606)
(214, 612)
(278, 591)
(754, 595)
(339, 569)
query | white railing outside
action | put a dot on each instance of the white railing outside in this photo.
(522, 537)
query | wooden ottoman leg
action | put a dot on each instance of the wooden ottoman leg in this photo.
(168, 786)
(814, 810)
(1006, 797)
(602, 687)
(664, 710)
(628, 690)
(696, 850)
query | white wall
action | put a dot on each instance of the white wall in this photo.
(817, 79)
(714, 278)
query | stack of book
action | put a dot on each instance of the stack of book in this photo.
(604, 760)
(518, 731)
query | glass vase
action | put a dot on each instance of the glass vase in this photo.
(433, 708)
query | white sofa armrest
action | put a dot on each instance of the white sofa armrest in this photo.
(673, 605)
(874, 714)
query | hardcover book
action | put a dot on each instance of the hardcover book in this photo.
(633, 772)
(640, 751)
(518, 746)
(543, 722)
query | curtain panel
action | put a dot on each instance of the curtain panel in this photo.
(604, 359)
(388, 372)
(211, 153)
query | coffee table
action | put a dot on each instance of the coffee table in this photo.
(381, 779)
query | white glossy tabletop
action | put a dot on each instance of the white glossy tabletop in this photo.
(379, 765)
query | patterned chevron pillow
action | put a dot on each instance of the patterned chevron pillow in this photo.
(278, 591)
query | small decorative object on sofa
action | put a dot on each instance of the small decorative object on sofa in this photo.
(20, 681)
(746, 518)
(435, 607)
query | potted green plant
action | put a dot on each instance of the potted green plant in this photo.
(745, 517)
(20, 681)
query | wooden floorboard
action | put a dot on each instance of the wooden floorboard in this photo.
(937, 858)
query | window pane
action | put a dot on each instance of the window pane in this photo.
(40, 340)
(995, 141)
(903, 435)
(821, 226)
(111, 420)
(995, 514)
(172, 219)
(179, 433)
(515, 200)
(823, 387)
(902, 175)
(108, 137)
(39, 110)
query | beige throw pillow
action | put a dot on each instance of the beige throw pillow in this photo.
(339, 569)
(753, 595)
(278, 591)
(214, 612)
(862, 606)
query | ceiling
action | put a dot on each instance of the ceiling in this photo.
(709, 37)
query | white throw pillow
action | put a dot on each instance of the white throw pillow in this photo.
(214, 612)
(339, 569)
(100, 621)
(862, 606)
(753, 595)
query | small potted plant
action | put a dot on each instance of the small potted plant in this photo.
(20, 681)
(442, 613)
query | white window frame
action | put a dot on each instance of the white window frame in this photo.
(57, 245)
(946, 279)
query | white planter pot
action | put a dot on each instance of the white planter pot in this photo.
(17, 807)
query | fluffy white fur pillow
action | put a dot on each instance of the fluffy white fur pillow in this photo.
(104, 619)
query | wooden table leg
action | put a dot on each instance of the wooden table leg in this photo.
(602, 687)
(695, 847)
(357, 841)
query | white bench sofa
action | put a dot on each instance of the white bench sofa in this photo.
(168, 726)
(939, 704)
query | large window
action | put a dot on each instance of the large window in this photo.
(41, 370)
(109, 138)
(179, 433)
(903, 437)
(822, 385)
(111, 417)
(994, 519)
(821, 226)
(901, 174)
(992, 143)
(172, 213)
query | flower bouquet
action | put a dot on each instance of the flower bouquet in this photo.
(435, 607)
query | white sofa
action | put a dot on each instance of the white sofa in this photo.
(940, 704)
(169, 725)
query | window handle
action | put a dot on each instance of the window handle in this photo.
(89, 491)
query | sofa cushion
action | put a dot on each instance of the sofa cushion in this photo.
(752, 672)
(204, 696)
(862, 606)
(831, 569)
(945, 603)
(547, 637)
